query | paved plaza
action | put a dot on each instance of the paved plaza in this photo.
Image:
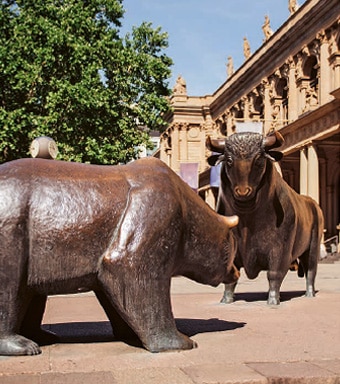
(245, 342)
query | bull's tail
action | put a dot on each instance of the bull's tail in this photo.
(296, 265)
(301, 271)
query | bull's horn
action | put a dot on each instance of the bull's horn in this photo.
(231, 221)
(273, 140)
(216, 145)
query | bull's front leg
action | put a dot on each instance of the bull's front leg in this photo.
(229, 288)
(228, 294)
(275, 279)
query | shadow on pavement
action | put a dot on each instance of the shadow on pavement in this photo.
(101, 331)
(192, 327)
(82, 332)
(262, 296)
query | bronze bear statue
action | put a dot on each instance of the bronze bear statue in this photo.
(120, 231)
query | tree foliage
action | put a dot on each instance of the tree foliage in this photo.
(66, 72)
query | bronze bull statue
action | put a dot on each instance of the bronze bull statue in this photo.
(278, 227)
(121, 231)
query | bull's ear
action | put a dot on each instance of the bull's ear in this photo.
(274, 155)
(273, 140)
(215, 159)
(215, 145)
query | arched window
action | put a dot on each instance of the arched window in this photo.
(258, 107)
(310, 72)
(282, 94)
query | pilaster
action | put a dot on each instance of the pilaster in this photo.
(292, 92)
(303, 172)
(325, 76)
(313, 173)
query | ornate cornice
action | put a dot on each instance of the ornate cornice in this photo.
(300, 30)
(314, 125)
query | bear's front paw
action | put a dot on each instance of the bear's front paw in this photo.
(166, 343)
(16, 345)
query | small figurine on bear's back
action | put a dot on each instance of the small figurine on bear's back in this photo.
(44, 147)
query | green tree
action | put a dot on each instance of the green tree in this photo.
(66, 72)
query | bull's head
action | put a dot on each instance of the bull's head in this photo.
(244, 158)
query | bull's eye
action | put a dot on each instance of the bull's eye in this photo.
(259, 161)
(229, 161)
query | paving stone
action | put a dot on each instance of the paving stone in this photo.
(294, 343)
(20, 379)
(224, 374)
(152, 376)
(78, 378)
(331, 365)
(92, 357)
(294, 372)
(25, 364)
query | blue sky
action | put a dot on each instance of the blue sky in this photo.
(202, 34)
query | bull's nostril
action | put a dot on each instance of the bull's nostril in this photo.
(242, 191)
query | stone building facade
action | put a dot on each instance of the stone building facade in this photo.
(291, 84)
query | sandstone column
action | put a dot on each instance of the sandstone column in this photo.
(202, 149)
(183, 143)
(210, 198)
(303, 172)
(324, 70)
(313, 173)
(292, 92)
(175, 149)
(267, 107)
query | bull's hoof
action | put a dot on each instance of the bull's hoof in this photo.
(227, 299)
(273, 302)
(310, 294)
(273, 299)
(16, 345)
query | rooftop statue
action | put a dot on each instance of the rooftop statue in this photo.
(230, 66)
(246, 48)
(180, 87)
(266, 28)
(292, 6)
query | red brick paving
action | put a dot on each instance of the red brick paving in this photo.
(245, 342)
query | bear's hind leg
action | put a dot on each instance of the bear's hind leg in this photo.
(31, 324)
(120, 328)
(11, 343)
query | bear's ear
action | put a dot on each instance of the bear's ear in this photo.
(215, 159)
(274, 155)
